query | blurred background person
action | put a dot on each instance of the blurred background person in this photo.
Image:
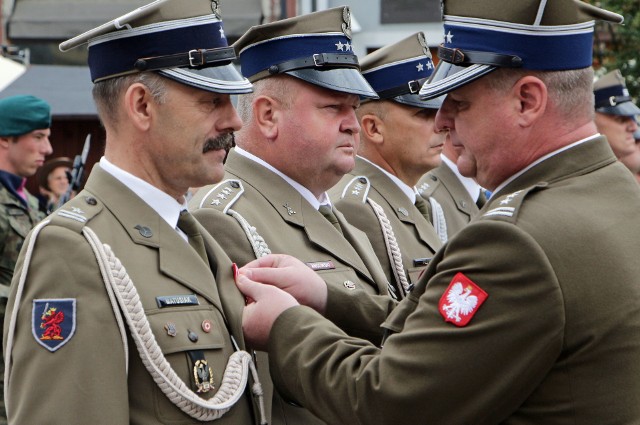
(53, 182)
(616, 117)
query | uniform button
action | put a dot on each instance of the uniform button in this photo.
(144, 231)
(234, 184)
(434, 178)
(206, 326)
(349, 285)
(91, 200)
(193, 337)
(362, 180)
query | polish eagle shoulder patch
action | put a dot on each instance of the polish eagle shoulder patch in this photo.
(461, 300)
(53, 322)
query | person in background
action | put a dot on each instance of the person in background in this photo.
(616, 116)
(460, 197)
(530, 313)
(300, 136)
(53, 182)
(397, 146)
(25, 123)
(123, 309)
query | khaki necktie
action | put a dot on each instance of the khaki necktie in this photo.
(188, 225)
(422, 206)
(327, 212)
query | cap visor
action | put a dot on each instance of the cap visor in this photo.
(346, 80)
(447, 77)
(627, 109)
(220, 79)
(414, 100)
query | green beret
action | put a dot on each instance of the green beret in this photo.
(23, 114)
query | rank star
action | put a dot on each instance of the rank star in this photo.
(222, 33)
(429, 65)
(420, 67)
(449, 37)
(347, 47)
(340, 46)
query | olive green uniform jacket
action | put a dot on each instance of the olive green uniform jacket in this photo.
(555, 342)
(444, 186)
(356, 195)
(288, 224)
(86, 380)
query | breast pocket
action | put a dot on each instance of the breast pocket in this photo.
(346, 279)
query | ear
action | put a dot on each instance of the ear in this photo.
(372, 128)
(531, 95)
(4, 142)
(267, 115)
(139, 105)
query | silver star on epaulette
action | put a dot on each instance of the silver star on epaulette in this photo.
(227, 191)
(355, 192)
(423, 187)
(222, 196)
(216, 202)
(77, 210)
(359, 186)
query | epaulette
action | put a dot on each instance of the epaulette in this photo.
(357, 188)
(507, 207)
(223, 195)
(76, 213)
(427, 185)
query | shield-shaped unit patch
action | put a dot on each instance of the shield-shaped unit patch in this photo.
(53, 322)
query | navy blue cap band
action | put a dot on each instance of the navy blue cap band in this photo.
(386, 78)
(559, 48)
(610, 96)
(261, 56)
(118, 55)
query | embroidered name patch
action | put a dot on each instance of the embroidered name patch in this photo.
(461, 300)
(177, 300)
(53, 322)
(321, 265)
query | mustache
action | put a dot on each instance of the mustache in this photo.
(224, 141)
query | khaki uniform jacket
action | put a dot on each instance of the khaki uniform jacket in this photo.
(290, 225)
(415, 236)
(554, 343)
(86, 380)
(444, 186)
(15, 223)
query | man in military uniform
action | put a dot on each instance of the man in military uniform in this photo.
(460, 197)
(616, 116)
(397, 146)
(25, 123)
(299, 138)
(517, 319)
(123, 309)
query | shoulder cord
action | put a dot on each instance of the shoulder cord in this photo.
(236, 373)
(259, 245)
(439, 221)
(393, 250)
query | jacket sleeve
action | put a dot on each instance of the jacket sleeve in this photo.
(83, 381)
(432, 369)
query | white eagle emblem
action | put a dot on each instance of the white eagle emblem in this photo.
(460, 302)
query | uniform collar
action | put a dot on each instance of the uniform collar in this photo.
(303, 191)
(162, 203)
(409, 191)
(13, 183)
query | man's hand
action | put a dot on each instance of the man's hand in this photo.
(265, 304)
(291, 275)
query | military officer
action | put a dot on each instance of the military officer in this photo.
(123, 309)
(517, 319)
(397, 146)
(25, 123)
(460, 197)
(299, 138)
(616, 116)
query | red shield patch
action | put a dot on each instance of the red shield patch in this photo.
(461, 300)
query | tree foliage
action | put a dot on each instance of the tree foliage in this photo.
(616, 46)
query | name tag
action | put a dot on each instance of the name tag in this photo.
(321, 265)
(177, 300)
(421, 262)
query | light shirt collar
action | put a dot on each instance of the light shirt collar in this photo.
(543, 158)
(303, 191)
(162, 203)
(470, 185)
(409, 191)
